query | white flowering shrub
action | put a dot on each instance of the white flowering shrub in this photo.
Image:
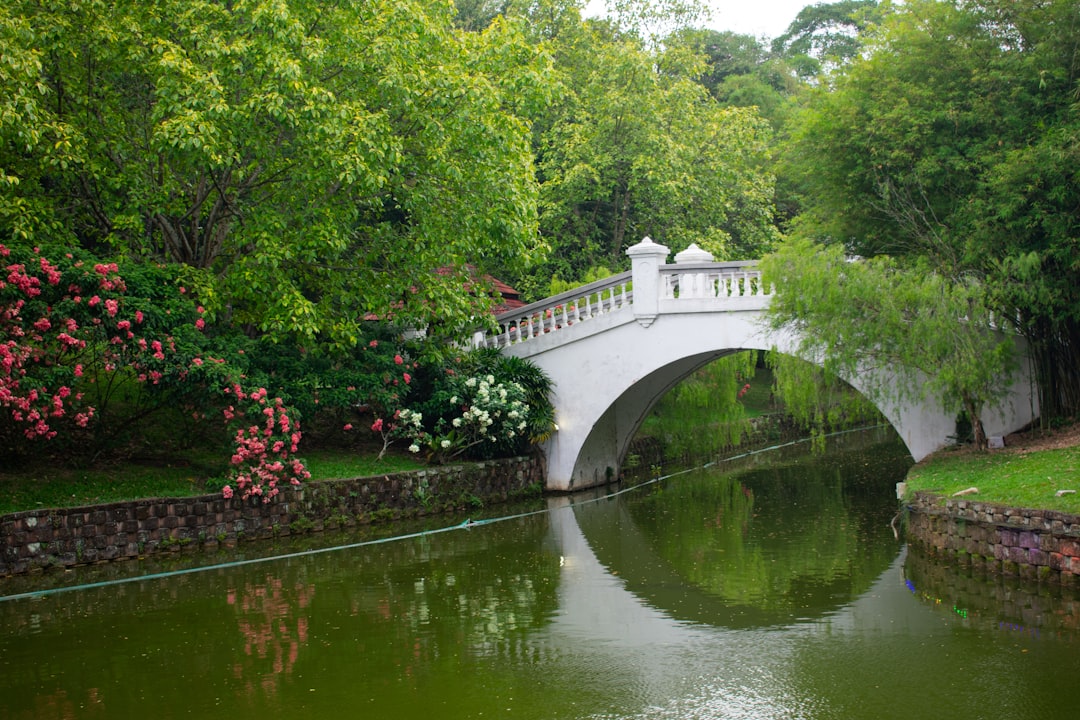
(476, 412)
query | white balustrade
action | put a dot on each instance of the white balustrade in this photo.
(712, 280)
(560, 311)
(661, 287)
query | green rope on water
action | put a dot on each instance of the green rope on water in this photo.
(464, 525)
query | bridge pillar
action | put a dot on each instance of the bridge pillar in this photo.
(694, 285)
(645, 260)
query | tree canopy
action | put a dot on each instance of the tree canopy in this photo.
(635, 145)
(954, 139)
(935, 336)
(309, 163)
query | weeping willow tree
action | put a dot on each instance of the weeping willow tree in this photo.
(934, 333)
(818, 401)
(703, 413)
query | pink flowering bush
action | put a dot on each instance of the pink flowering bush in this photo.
(89, 353)
(266, 441)
(78, 348)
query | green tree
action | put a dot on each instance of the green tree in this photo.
(741, 71)
(955, 139)
(825, 35)
(308, 162)
(934, 335)
(636, 147)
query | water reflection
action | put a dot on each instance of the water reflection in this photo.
(273, 623)
(760, 547)
(993, 602)
(716, 596)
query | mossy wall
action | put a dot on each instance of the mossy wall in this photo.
(66, 537)
(1039, 545)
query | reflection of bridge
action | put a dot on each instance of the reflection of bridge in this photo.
(614, 347)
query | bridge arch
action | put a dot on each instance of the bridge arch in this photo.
(615, 347)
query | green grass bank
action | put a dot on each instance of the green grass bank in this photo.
(1034, 470)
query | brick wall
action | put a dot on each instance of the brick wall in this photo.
(67, 537)
(1033, 544)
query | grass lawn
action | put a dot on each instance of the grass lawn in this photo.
(51, 486)
(1027, 479)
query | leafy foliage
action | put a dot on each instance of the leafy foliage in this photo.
(935, 335)
(955, 139)
(704, 413)
(819, 401)
(636, 147)
(825, 35)
(484, 405)
(310, 163)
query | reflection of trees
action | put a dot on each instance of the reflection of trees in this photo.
(272, 618)
(370, 622)
(455, 599)
(58, 705)
(789, 539)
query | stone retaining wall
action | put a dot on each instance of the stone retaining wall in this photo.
(1039, 545)
(67, 537)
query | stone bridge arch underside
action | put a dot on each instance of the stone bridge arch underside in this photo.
(608, 374)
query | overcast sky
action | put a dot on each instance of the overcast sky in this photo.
(748, 17)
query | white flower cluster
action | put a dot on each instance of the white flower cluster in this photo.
(414, 419)
(497, 410)
(483, 411)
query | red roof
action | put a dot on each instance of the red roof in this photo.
(508, 297)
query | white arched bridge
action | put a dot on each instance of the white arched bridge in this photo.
(614, 347)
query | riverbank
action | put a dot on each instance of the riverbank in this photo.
(1013, 511)
(67, 537)
(1037, 469)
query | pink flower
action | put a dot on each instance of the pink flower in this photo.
(377, 426)
(139, 316)
(373, 343)
(408, 378)
(398, 360)
(200, 323)
(197, 361)
(348, 426)
(227, 492)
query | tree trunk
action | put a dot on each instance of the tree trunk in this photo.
(978, 432)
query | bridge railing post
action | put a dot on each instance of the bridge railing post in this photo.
(645, 260)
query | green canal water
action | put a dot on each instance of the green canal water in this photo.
(773, 587)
